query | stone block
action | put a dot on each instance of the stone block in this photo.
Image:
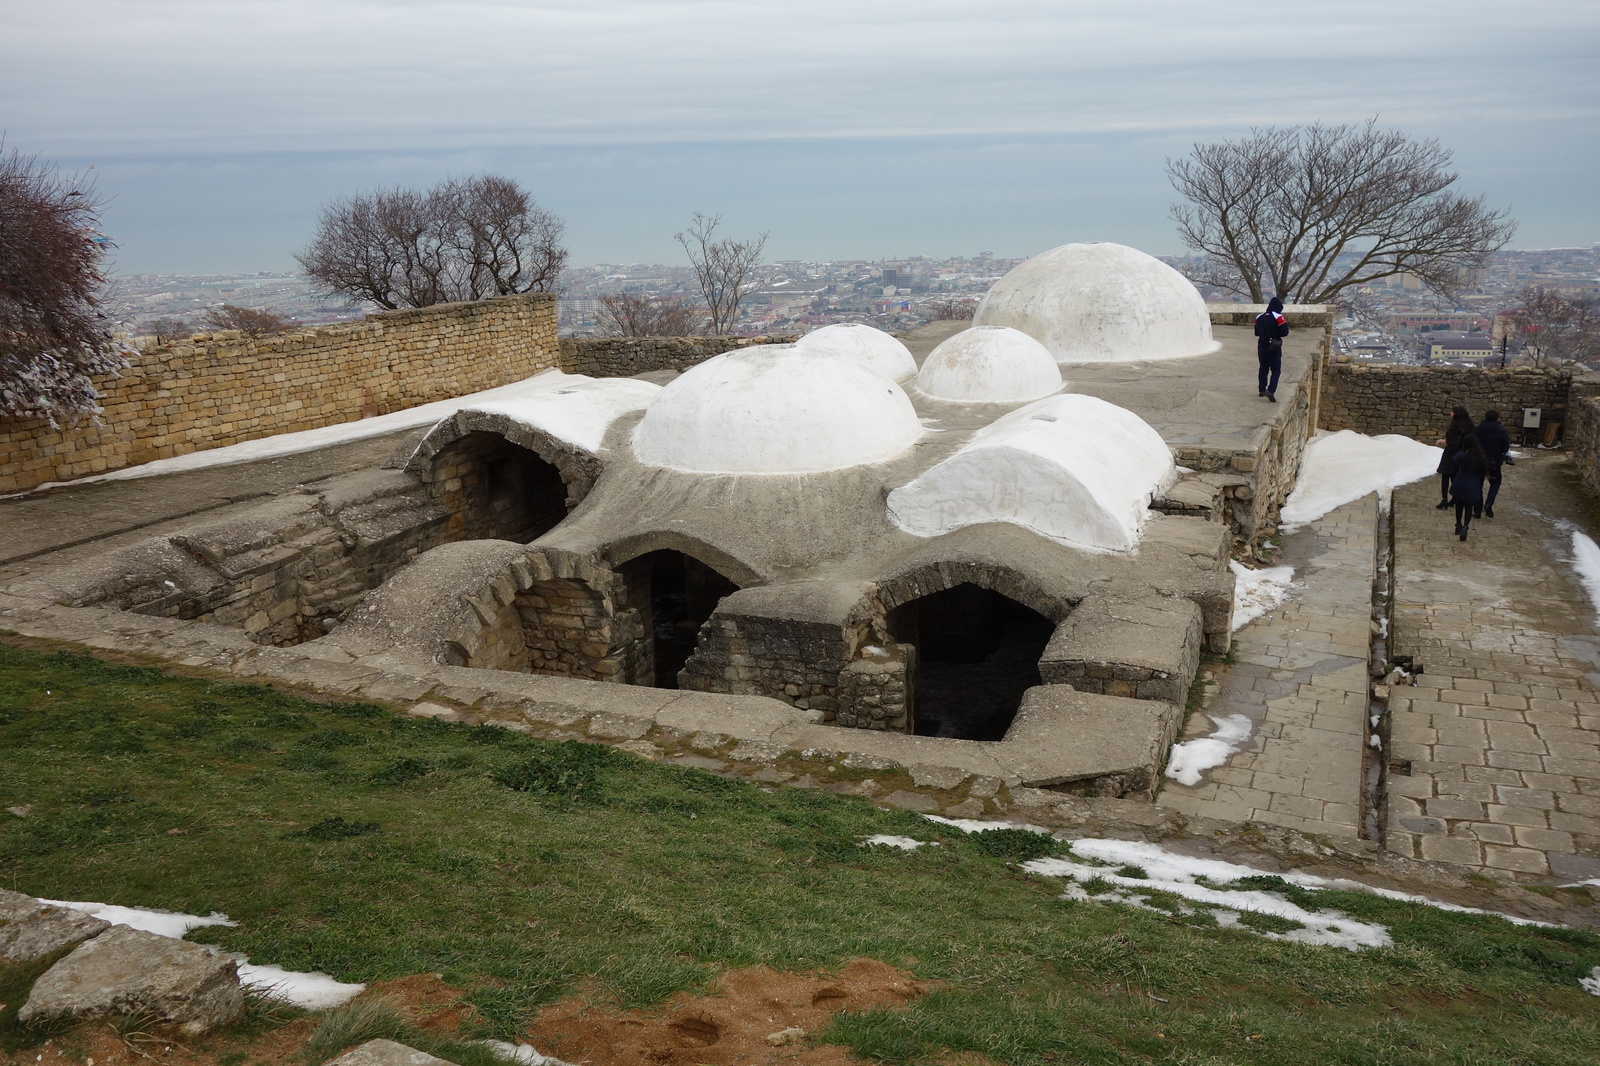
(388, 1053)
(32, 930)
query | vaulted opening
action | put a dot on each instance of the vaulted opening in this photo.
(977, 653)
(675, 595)
(495, 489)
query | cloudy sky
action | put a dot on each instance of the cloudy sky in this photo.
(848, 128)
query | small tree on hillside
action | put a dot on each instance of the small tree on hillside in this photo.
(54, 334)
(626, 315)
(1554, 330)
(168, 329)
(251, 321)
(460, 240)
(720, 266)
(1304, 212)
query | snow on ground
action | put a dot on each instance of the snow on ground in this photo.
(1190, 758)
(312, 991)
(1339, 468)
(343, 433)
(522, 1054)
(1591, 984)
(889, 840)
(1255, 592)
(974, 825)
(1586, 561)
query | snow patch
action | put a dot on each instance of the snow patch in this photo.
(1586, 561)
(889, 840)
(523, 1054)
(1255, 592)
(161, 923)
(1189, 759)
(977, 825)
(1340, 468)
(1591, 984)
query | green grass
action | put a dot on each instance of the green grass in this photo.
(346, 839)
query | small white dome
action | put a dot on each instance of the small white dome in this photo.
(775, 409)
(989, 364)
(1101, 303)
(870, 347)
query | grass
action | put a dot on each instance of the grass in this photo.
(345, 839)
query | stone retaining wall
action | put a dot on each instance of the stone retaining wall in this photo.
(1415, 401)
(222, 388)
(621, 357)
(1583, 439)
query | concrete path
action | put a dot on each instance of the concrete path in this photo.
(1300, 676)
(1495, 755)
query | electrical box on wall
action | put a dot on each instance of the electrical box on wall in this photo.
(1530, 417)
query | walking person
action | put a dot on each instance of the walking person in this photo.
(1497, 447)
(1460, 428)
(1466, 483)
(1271, 328)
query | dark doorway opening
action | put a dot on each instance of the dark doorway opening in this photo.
(499, 490)
(977, 653)
(676, 594)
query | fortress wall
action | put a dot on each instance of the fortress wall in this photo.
(223, 388)
(622, 357)
(1415, 401)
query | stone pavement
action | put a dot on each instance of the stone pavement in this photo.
(1495, 755)
(1300, 676)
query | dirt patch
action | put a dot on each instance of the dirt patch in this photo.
(732, 1024)
(425, 1000)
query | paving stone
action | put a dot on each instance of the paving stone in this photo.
(911, 801)
(1518, 860)
(1451, 849)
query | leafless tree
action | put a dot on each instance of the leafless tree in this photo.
(251, 321)
(720, 266)
(54, 333)
(460, 240)
(1304, 212)
(952, 310)
(1554, 330)
(168, 329)
(623, 314)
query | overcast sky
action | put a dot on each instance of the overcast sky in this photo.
(848, 128)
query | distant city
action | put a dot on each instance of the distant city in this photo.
(1398, 321)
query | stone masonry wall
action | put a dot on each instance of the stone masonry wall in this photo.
(1583, 439)
(222, 388)
(621, 357)
(797, 662)
(1415, 401)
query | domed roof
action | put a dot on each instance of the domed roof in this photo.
(1101, 303)
(870, 347)
(989, 364)
(775, 409)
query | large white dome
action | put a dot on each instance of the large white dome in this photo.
(870, 347)
(776, 409)
(1101, 303)
(989, 364)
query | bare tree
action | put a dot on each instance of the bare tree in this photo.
(721, 267)
(252, 322)
(460, 240)
(952, 310)
(54, 333)
(168, 329)
(626, 315)
(1304, 212)
(1554, 330)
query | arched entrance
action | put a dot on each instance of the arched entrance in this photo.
(977, 652)
(497, 490)
(675, 594)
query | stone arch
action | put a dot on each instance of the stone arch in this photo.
(923, 580)
(621, 552)
(500, 478)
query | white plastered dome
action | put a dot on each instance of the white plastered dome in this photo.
(989, 364)
(1101, 303)
(776, 409)
(870, 347)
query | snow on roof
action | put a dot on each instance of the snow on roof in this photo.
(989, 364)
(870, 347)
(1075, 469)
(579, 411)
(776, 409)
(1101, 303)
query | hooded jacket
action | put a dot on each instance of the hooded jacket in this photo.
(1271, 328)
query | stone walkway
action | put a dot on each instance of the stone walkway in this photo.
(1495, 755)
(1300, 676)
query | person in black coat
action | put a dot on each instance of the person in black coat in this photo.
(1497, 447)
(1460, 429)
(1271, 328)
(1466, 482)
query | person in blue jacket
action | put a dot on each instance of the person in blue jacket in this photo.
(1497, 448)
(1271, 328)
(1466, 481)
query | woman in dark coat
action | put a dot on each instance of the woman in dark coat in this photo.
(1460, 427)
(1466, 483)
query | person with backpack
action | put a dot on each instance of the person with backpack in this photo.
(1271, 328)
(1497, 447)
(1460, 428)
(1466, 482)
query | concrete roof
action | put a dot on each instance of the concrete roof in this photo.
(872, 348)
(989, 364)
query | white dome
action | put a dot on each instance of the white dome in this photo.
(989, 364)
(775, 409)
(870, 347)
(1075, 469)
(1101, 303)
